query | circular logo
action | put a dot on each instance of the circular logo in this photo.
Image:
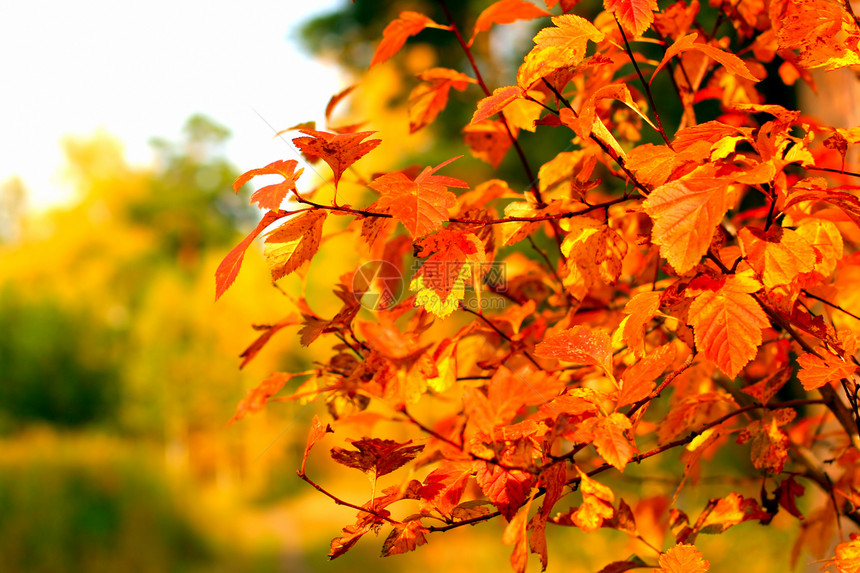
(377, 285)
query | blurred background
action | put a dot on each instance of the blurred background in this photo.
(123, 126)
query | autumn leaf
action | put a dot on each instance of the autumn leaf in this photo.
(682, 559)
(580, 345)
(454, 261)
(506, 12)
(610, 439)
(847, 559)
(557, 47)
(507, 490)
(727, 321)
(688, 42)
(405, 537)
(779, 255)
(635, 16)
(488, 141)
(339, 150)
(596, 504)
(271, 196)
(256, 398)
(493, 104)
(444, 486)
(770, 443)
(398, 31)
(228, 270)
(269, 331)
(375, 456)
(817, 371)
(315, 434)
(421, 204)
(429, 98)
(686, 212)
(637, 382)
(640, 309)
(294, 243)
(722, 513)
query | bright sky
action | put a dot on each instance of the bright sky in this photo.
(140, 69)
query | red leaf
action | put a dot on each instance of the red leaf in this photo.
(635, 16)
(815, 372)
(339, 150)
(445, 485)
(508, 490)
(421, 205)
(270, 330)
(228, 270)
(398, 31)
(315, 435)
(271, 196)
(375, 456)
(405, 537)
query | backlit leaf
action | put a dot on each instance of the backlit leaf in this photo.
(580, 345)
(685, 213)
(294, 243)
(562, 45)
(398, 31)
(635, 15)
(727, 322)
(375, 456)
(339, 150)
(421, 204)
(271, 196)
(228, 270)
(683, 559)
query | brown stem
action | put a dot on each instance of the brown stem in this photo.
(339, 501)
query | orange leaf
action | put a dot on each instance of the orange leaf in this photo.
(271, 196)
(228, 270)
(444, 486)
(455, 260)
(339, 150)
(405, 537)
(640, 310)
(270, 330)
(256, 398)
(421, 205)
(847, 558)
(398, 31)
(815, 372)
(506, 12)
(610, 439)
(315, 435)
(596, 504)
(778, 255)
(491, 105)
(508, 490)
(722, 513)
(635, 16)
(488, 141)
(770, 443)
(581, 345)
(557, 47)
(428, 99)
(685, 213)
(727, 322)
(638, 379)
(730, 61)
(682, 559)
(294, 243)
